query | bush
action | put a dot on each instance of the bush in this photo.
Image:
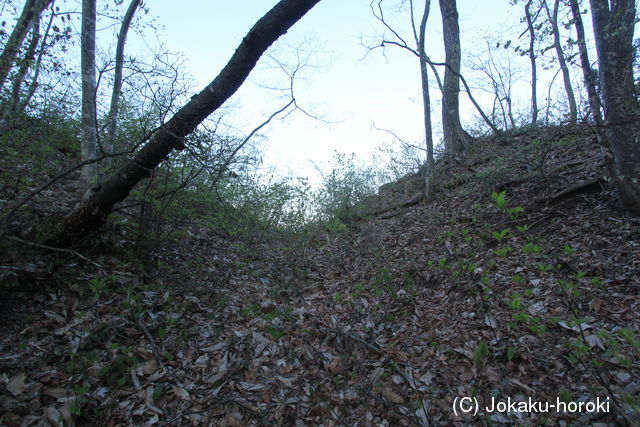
(343, 189)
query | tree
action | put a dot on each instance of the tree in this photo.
(589, 74)
(426, 99)
(613, 26)
(89, 139)
(454, 136)
(38, 58)
(13, 105)
(94, 209)
(419, 35)
(117, 80)
(555, 30)
(30, 14)
(532, 57)
(497, 65)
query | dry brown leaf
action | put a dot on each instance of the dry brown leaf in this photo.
(149, 367)
(253, 387)
(595, 304)
(54, 416)
(215, 347)
(55, 392)
(17, 385)
(202, 361)
(181, 393)
(392, 396)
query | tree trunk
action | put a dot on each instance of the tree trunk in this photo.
(11, 107)
(33, 84)
(117, 82)
(30, 12)
(454, 137)
(588, 73)
(89, 141)
(92, 212)
(571, 99)
(613, 29)
(532, 58)
(426, 104)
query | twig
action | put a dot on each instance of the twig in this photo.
(156, 351)
(353, 337)
(51, 248)
(393, 407)
(575, 188)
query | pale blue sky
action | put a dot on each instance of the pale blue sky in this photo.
(351, 92)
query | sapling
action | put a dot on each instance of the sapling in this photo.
(531, 248)
(514, 212)
(501, 235)
(499, 199)
(480, 354)
(503, 252)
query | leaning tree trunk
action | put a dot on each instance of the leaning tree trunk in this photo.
(117, 81)
(613, 29)
(454, 137)
(92, 212)
(89, 140)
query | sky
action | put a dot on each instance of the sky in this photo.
(349, 88)
(347, 92)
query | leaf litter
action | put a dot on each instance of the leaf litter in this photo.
(379, 325)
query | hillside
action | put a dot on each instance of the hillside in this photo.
(530, 293)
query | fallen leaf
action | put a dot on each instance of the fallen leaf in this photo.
(17, 385)
(392, 396)
(181, 393)
(55, 392)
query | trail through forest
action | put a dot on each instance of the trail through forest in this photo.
(529, 293)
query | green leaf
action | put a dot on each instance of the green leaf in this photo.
(499, 199)
(510, 354)
(276, 333)
(565, 396)
(501, 235)
(480, 353)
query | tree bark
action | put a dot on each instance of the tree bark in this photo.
(588, 73)
(426, 102)
(454, 137)
(33, 84)
(30, 12)
(117, 81)
(89, 140)
(92, 212)
(532, 58)
(18, 79)
(571, 99)
(613, 25)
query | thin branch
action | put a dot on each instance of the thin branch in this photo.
(34, 193)
(392, 133)
(51, 248)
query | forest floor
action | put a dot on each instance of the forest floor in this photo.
(532, 294)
